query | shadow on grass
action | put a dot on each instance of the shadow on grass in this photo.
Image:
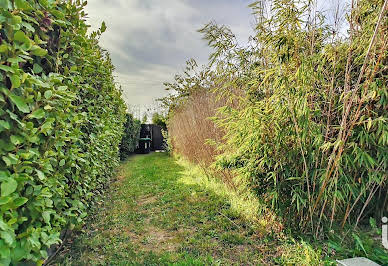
(159, 212)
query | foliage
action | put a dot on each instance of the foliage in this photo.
(131, 136)
(193, 79)
(61, 120)
(359, 244)
(167, 145)
(312, 136)
(160, 120)
(145, 118)
(310, 131)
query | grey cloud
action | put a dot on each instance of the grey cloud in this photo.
(150, 40)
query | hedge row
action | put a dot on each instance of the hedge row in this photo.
(131, 136)
(61, 122)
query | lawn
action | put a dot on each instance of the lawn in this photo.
(150, 217)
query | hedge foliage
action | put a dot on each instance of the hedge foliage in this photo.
(131, 136)
(61, 122)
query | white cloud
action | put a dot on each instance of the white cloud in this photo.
(150, 40)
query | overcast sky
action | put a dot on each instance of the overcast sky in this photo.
(150, 40)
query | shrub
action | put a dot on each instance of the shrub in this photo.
(131, 136)
(310, 131)
(312, 136)
(61, 121)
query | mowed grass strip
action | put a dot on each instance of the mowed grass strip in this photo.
(149, 217)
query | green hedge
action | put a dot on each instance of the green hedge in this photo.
(131, 136)
(61, 122)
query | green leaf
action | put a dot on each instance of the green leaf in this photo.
(7, 160)
(37, 68)
(16, 60)
(7, 68)
(8, 187)
(46, 216)
(16, 140)
(103, 27)
(20, 253)
(48, 94)
(39, 52)
(22, 4)
(4, 4)
(5, 252)
(58, 14)
(372, 222)
(20, 201)
(12, 221)
(359, 242)
(20, 36)
(9, 237)
(3, 48)
(4, 125)
(16, 20)
(46, 126)
(4, 175)
(6, 145)
(37, 114)
(3, 225)
(15, 80)
(20, 103)
(4, 200)
(41, 175)
(62, 162)
(28, 26)
(13, 158)
(34, 240)
(44, 3)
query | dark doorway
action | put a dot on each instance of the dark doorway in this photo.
(157, 138)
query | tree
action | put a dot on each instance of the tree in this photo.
(160, 120)
(145, 118)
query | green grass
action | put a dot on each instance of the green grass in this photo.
(154, 215)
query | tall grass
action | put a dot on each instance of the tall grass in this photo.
(193, 133)
(310, 131)
(313, 135)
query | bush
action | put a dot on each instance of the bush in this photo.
(312, 136)
(61, 122)
(131, 136)
(309, 133)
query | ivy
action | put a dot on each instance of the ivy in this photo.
(61, 123)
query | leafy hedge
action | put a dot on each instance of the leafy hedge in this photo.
(131, 136)
(61, 122)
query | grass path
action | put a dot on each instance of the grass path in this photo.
(149, 217)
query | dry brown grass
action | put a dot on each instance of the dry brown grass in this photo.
(193, 133)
